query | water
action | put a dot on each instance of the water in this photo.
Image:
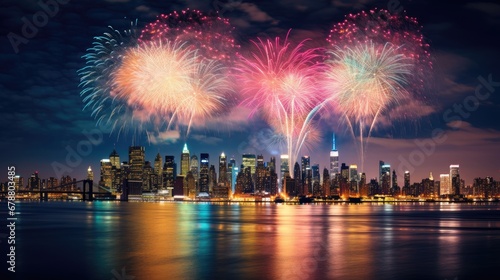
(113, 240)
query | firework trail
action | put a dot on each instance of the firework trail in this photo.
(279, 80)
(169, 75)
(378, 60)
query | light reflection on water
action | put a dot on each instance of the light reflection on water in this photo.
(74, 240)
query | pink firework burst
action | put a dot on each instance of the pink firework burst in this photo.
(279, 79)
(210, 34)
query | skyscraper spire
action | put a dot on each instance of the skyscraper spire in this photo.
(185, 149)
(334, 145)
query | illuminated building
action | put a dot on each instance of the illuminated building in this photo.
(136, 163)
(455, 179)
(204, 176)
(445, 186)
(90, 174)
(106, 179)
(249, 160)
(194, 167)
(184, 161)
(223, 179)
(334, 158)
(169, 172)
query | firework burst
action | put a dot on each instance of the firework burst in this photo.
(209, 33)
(151, 86)
(379, 27)
(365, 81)
(279, 80)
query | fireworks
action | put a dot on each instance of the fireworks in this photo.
(101, 60)
(279, 80)
(208, 33)
(158, 80)
(171, 82)
(380, 27)
(365, 80)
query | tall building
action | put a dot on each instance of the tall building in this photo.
(234, 174)
(445, 186)
(326, 186)
(455, 179)
(106, 179)
(229, 177)
(90, 174)
(406, 184)
(185, 161)
(148, 177)
(204, 173)
(284, 167)
(334, 158)
(194, 166)
(212, 178)
(136, 159)
(158, 171)
(272, 163)
(407, 179)
(305, 165)
(297, 181)
(114, 158)
(353, 173)
(116, 172)
(169, 172)
(316, 187)
(249, 160)
(395, 190)
(344, 172)
(223, 179)
(385, 177)
(260, 175)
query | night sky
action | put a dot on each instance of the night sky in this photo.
(41, 111)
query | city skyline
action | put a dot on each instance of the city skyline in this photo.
(44, 120)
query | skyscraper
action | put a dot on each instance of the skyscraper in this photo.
(90, 174)
(114, 158)
(353, 172)
(334, 158)
(234, 174)
(284, 167)
(157, 179)
(455, 179)
(223, 179)
(204, 172)
(445, 186)
(106, 179)
(184, 161)
(169, 172)
(136, 162)
(194, 166)
(249, 160)
(229, 177)
(385, 177)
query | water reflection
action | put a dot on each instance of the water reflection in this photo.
(263, 241)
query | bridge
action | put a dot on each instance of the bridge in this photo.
(87, 191)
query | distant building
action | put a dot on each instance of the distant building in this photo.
(445, 186)
(455, 179)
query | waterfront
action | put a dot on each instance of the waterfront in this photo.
(96, 240)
